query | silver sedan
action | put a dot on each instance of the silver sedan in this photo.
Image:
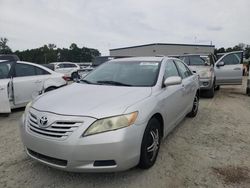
(114, 119)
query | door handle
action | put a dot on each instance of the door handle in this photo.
(237, 68)
(38, 81)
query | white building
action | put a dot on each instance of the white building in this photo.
(162, 49)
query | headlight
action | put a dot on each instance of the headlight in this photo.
(112, 123)
(205, 74)
(27, 108)
(26, 111)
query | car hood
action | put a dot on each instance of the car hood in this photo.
(200, 69)
(96, 101)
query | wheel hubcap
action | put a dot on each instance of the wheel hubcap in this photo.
(154, 146)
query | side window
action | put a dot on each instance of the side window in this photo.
(185, 59)
(24, 70)
(170, 69)
(60, 66)
(69, 65)
(5, 69)
(232, 59)
(40, 71)
(183, 70)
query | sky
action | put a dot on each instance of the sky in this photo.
(107, 24)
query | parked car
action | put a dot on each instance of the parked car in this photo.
(203, 65)
(114, 118)
(21, 81)
(225, 70)
(68, 69)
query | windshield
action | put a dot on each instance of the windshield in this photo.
(5, 69)
(197, 60)
(125, 73)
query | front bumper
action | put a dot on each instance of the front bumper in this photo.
(206, 83)
(82, 154)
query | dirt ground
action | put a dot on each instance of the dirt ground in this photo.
(211, 150)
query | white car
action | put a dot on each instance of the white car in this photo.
(68, 69)
(20, 82)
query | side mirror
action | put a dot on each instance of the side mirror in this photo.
(173, 80)
(220, 64)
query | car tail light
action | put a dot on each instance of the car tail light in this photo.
(65, 78)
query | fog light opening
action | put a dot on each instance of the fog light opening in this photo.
(105, 163)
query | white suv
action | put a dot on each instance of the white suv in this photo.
(70, 70)
(20, 82)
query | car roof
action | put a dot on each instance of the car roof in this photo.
(149, 58)
(10, 57)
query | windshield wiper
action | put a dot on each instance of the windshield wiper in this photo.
(86, 81)
(113, 83)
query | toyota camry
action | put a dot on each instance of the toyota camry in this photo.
(114, 118)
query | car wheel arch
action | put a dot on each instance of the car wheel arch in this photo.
(159, 117)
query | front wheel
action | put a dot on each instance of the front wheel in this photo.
(195, 108)
(150, 144)
(210, 93)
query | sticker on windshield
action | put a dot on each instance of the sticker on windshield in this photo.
(149, 63)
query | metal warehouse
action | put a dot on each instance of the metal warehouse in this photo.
(162, 49)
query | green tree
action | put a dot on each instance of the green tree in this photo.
(220, 50)
(4, 48)
(49, 53)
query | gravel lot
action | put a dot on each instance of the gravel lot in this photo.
(211, 150)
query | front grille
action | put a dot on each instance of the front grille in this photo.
(57, 130)
(48, 159)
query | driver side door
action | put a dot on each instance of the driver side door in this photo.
(171, 98)
(231, 72)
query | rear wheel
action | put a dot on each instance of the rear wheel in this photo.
(74, 76)
(150, 144)
(248, 91)
(195, 108)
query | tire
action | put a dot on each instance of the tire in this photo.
(150, 144)
(195, 108)
(49, 89)
(248, 91)
(210, 93)
(74, 76)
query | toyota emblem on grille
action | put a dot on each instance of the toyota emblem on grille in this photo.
(43, 121)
